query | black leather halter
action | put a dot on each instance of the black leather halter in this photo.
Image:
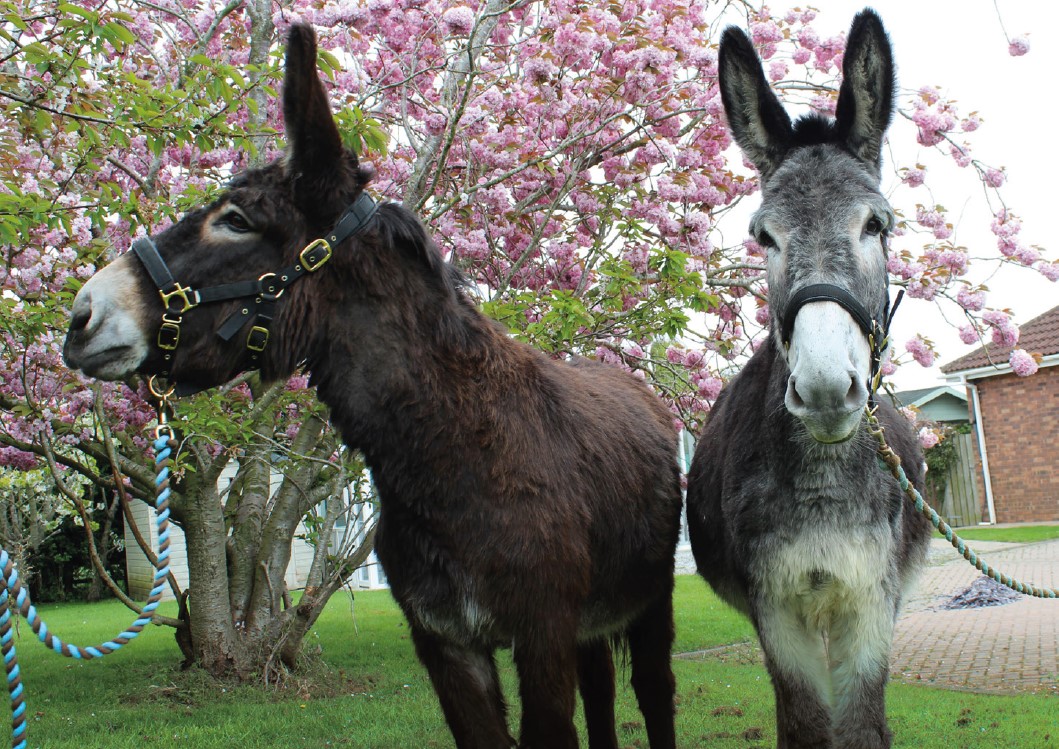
(876, 330)
(262, 294)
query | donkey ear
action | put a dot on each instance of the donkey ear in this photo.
(866, 98)
(759, 123)
(313, 141)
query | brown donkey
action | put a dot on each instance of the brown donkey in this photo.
(525, 502)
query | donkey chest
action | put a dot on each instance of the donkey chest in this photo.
(820, 574)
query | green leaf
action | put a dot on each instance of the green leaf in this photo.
(89, 15)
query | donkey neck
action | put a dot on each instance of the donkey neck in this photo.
(409, 377)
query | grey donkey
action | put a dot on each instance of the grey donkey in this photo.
(793, 520)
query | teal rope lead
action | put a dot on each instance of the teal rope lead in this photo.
(11, 587)
(891, 460)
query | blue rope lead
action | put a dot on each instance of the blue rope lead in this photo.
(11, 586)
(891, 460)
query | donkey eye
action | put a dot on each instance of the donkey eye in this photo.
(874, 227)
(765, 239)
(235, 221)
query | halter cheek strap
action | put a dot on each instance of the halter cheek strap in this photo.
(876, 330)
(262, 294)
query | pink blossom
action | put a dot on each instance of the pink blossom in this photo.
(777, 70)
(961, 155)
(1008, 247)
(1048, 270)
(925, 287)
(971, 123)
(18, 459)
(930, 218)
(928, 438)
(972, 301)
(674, 355)
(930, 94)
(1027, 255)
(458, 20)
(969, 334)
(808, 38)
(954, 259)
(539, 70)
(1019, 46)
(921, 350)
(766, 32)
(914, 177)
(996, 317)
(693, 359)
(1004, 331)
(638, 258)
(710, 387)
(607, 355)
(753, 249)
(1022, 364)
(994, 177)
(823, 104)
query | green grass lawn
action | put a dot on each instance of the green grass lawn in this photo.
(364, 688)
(1020, 534)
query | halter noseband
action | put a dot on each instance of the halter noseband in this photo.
(876, 330)
(265, 291)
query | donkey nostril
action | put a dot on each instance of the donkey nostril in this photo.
(79, 319)
(794, 398)
(857, 394)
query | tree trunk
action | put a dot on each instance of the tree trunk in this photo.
(106, 547)
(312, 604)
(218, 648)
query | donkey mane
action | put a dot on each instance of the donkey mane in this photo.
(399, 227)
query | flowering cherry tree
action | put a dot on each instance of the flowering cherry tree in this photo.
(570, 158)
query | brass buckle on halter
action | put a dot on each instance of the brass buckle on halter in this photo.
(181, 292)
(169, 333)
(257, 338)
(310, 262)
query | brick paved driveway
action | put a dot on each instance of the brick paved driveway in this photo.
(1005, 648)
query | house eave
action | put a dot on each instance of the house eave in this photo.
(938, 393)
(994, 370)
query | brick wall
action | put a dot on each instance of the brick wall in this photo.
(1020, 416)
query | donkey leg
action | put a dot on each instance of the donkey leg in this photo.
(467, 686)
(595, 678)
(797, 662)
(860, 665)
(547, 671)
(650, 651)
